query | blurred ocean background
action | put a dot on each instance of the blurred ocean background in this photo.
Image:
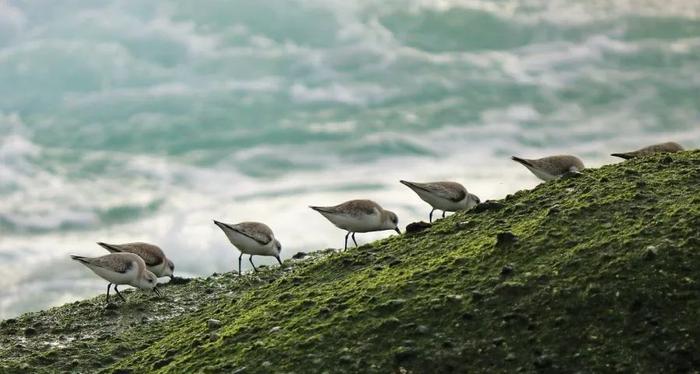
(144, 120)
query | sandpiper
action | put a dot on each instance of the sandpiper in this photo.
(252, 238)
(151, 254)
(121, 268)
(669, 147)
(552, 167)
(359, 216)
(445, 196)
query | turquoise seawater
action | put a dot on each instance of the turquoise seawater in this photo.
(144, 120)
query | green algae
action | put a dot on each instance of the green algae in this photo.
(594, 273)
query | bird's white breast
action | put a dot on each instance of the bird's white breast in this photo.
(440, 203)
(356, 223)
(249, 246)
(129, 277)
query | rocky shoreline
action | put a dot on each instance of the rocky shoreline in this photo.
(594, 273)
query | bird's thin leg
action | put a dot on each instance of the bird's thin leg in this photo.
(443, 214)
(120, 295)
(346, 241)
(239, 263)
(431, 215)
(353, 239)
(251, 262)
(108, 287)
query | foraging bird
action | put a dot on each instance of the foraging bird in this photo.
(445, 196)
(552, 167)
(252, 238)
(669, 147)
(151, 254)
(359, 216)
(121, 268)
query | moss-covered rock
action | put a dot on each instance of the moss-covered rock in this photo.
(593, 274)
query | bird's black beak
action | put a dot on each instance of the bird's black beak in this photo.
(278, 260)
(397, 230)
(157, 291)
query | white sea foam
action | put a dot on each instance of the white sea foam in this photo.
(357, 94)
(332, 127)
(565, 12)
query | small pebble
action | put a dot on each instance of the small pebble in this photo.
(650, 253)
(505, 239)
(507, 270)
(111, 306)
(29, 331)
(213, 324)
(489, 206)
(299, 255)
(416, 227)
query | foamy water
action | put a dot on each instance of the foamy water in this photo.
(145, 120)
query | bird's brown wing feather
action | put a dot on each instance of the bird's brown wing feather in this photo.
(254, 230)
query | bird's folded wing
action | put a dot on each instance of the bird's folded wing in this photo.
(445, 191)
(358, 207)
(115, 263)
(149, 255)
(255, 232)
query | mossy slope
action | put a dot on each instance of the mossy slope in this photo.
(595, 273)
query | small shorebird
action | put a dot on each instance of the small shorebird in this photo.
(252, 238)
(445, 196)
(669, 147)
(121, 268)
(151, 254)
(552, 167)
(359, 216)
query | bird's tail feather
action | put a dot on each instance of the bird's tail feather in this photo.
(408, 184)
(79, 259)
(414, 186)
(109, 247)
(222, 225)
(521, 160)
(625, 156)
(321, 209)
